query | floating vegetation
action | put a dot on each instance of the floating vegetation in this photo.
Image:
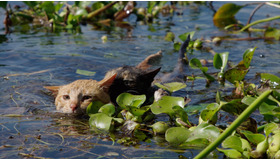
(169, 120)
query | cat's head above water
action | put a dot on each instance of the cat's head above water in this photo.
(76, 96)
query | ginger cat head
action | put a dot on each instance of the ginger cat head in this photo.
(76, 96)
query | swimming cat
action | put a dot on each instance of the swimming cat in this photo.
(76, 96)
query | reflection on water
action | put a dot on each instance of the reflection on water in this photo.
(29, 126)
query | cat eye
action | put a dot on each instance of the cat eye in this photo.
(66, 97)
(86, 98)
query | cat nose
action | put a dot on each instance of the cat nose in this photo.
(73, 106)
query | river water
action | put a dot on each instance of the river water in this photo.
(31, 59)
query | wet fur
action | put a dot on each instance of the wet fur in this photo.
(76, 96)
(131, 80)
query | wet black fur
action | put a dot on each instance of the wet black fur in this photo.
(138, 82)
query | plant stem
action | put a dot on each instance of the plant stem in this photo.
(258, 21)
(243, 116)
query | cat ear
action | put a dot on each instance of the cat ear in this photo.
(53, 89)
(107, 82)
(151, 74)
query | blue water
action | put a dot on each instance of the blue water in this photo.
(59, 55)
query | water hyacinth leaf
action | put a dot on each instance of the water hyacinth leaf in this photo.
(254, 138)
(197, 143)
(272, 33)
(93, 107)
(170, 36)
(274, 80)
(227, 10)
(231, 153)
(166, 103)
(269, 128)
(235, 74)
(209, 112)
(208, 77)
(58, 6)
(85, 73)
(245, 145)
(217, 61)
(171, 87)
(160, 127)
(235, 107)
(184, 36)
(176, 135)
(205, 131)
(139, 111)
(81, 12)
(233, 142)
(108, 109)
(180, 113)
(97, 5)
(126, 100)
(151, 5)
(177, 46)
(197, 44)
(48, 7)
(100, 121)
(220, 60)
(248, 56)
(195, 63)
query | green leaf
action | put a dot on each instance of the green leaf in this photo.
(127, 100)
(58, 6)
(100, 121)
(171, 87)
(233, 142)
(195, 63)
(209, 112)
(85, 73)
(151, 5)
(177, 46)
(272, 33)
(139, 111)
(48, 7)
(170, 36)
(180, 113)
(220, 60)
(231, 153)
(184, 36)
(166, 104)
(254, 138)
(269, 128)
(197, 143)
(245, 145)
(81, 12)
(274, 80)
(235, 106)
(227, 10)
(235, 74)
(205, 131)
(248, 56)
(217, 61)
(176, 135)
(108, 109)
(3, 4)
(97, 5)
(94, 106)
